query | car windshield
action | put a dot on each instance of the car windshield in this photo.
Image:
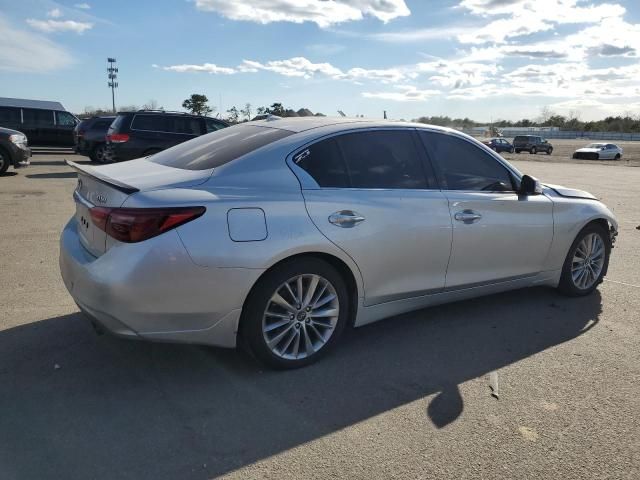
(219, 147)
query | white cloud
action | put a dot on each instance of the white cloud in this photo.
(53, 26)
(82, 6)
(24, 51)
(55, 13)
(322, 12)
(420, 35)
(206, 68)
(404, 93)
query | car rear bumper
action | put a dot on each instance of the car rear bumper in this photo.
(153, 290)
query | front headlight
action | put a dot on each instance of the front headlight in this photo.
(18, 139)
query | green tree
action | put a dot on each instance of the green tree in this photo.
(276, 109)
(197, 104)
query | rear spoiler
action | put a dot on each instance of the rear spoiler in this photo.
(102, 178)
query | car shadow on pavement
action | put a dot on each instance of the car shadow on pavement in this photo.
(78, 405)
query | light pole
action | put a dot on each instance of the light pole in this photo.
(113, 76)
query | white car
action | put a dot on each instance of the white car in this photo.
(599, 151)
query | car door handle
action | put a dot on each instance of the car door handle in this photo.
(467, 216)
(345, 218)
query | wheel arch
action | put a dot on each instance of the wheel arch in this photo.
(346, 272)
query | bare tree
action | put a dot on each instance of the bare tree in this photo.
(152, 105)
(246, 111)
(545, 114)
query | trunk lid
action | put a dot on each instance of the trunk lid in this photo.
(110, 185)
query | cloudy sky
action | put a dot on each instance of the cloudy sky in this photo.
(485, 59)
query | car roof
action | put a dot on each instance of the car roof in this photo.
(26, 103)
(302, 124)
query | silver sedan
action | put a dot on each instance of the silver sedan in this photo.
(284, 232)
(599, 151)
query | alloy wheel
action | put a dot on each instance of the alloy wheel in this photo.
(588, 261)
(300, 317)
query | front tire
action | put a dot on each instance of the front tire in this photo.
(295, 313)
(4, 161)
(533, 151)
(511, 150)
(587, 261)
(549, 151)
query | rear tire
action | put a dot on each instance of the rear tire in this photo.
(576, 279)
(283, 336)
(517, 151)
(98, 154)
(617, 157)
(533, 151)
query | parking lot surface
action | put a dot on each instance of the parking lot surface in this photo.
(408, 397)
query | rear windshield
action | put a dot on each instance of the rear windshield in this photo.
(117, 123)
(217, 148)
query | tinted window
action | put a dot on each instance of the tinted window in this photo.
(324, 163)
(117, 123)
(212, 125)
(65, 119)
(39, 118)
(218, 148)
(10, 115)
(382, 159)
(150, 122)
(464, 166)
(184, 125)
(102, 124)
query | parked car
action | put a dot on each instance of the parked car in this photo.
(90, 137)
(44, 123)
(14, 149)
(273, 231)
(532, 144)
(145, 132)
(599, 151)
(499, 145)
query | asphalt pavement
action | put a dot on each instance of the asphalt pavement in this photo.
(408, 397)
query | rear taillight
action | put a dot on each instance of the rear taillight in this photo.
(132, 225)
(118, 138)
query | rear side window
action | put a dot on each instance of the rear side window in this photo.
(117, 123)
(40, 118)
(520, 139)
(9, 115)
(324, 163)
(465, 166)
(184, 125)
(217, 148)
(149, 122)
(382, 159)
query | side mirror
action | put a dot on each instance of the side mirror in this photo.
(530, 186)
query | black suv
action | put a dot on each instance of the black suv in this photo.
(13, 149)
(145, 132)
(90, 137)
(532, 144)
(44, 123)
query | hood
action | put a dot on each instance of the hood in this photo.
(570, 192)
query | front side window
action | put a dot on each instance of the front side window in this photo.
(65, 119)
(212, 125)
(217, 148)
(37, 117)
(465, 166)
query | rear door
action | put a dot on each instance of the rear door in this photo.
(371, 194)
(41, 126)
(498, 235)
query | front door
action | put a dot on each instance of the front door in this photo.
(370, 193)
(498, 235)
